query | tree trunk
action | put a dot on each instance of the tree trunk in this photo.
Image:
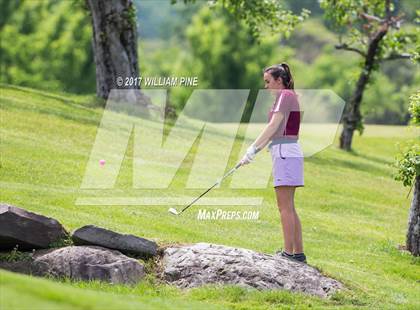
(352, 116)
(413, 231)
(114, 44)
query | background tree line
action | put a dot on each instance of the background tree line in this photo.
(47, 44)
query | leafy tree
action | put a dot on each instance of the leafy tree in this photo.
(7, 9)
(408, 165)
(373, 30)
(260, 15)
(46, 44)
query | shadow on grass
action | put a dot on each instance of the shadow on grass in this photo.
(369, 167)
(88, 106)
(372, 158)
(88, 101)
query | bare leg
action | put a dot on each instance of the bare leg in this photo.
(284, 195)
(297, 244)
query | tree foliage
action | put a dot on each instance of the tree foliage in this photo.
(260, 15)
(414, 108)
(408, 162)
(358, 21)
(372, 29)
(46, 44)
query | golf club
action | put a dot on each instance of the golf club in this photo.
(175, 212)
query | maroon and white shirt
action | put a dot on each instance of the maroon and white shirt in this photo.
(287, 103)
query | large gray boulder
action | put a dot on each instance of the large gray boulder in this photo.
(127, 244)
(203, 263)
(87, 263)
(27, 230)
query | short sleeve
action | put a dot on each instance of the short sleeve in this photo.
(283, 103)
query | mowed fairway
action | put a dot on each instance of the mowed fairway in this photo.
(354, 215)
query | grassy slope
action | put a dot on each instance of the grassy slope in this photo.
(353, 215)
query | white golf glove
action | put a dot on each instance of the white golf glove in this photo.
(249, 155)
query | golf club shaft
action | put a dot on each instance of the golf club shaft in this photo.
(226, 175)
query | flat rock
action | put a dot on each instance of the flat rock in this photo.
(27, 230)
(87, 263)
(127, 244)
(203, 263)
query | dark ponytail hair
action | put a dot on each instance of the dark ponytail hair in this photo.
(283, 71)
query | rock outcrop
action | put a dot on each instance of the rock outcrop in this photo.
(127, 244)
(27, 230)
(98, 255)
(87, 263)
(203, 263)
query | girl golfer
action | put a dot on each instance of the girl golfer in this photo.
(282, 132)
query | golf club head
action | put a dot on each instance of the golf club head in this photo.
(173, 211)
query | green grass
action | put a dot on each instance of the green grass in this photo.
(354, 215)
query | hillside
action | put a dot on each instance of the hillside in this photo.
(353, 213)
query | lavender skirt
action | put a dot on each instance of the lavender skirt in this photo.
(287, 161)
